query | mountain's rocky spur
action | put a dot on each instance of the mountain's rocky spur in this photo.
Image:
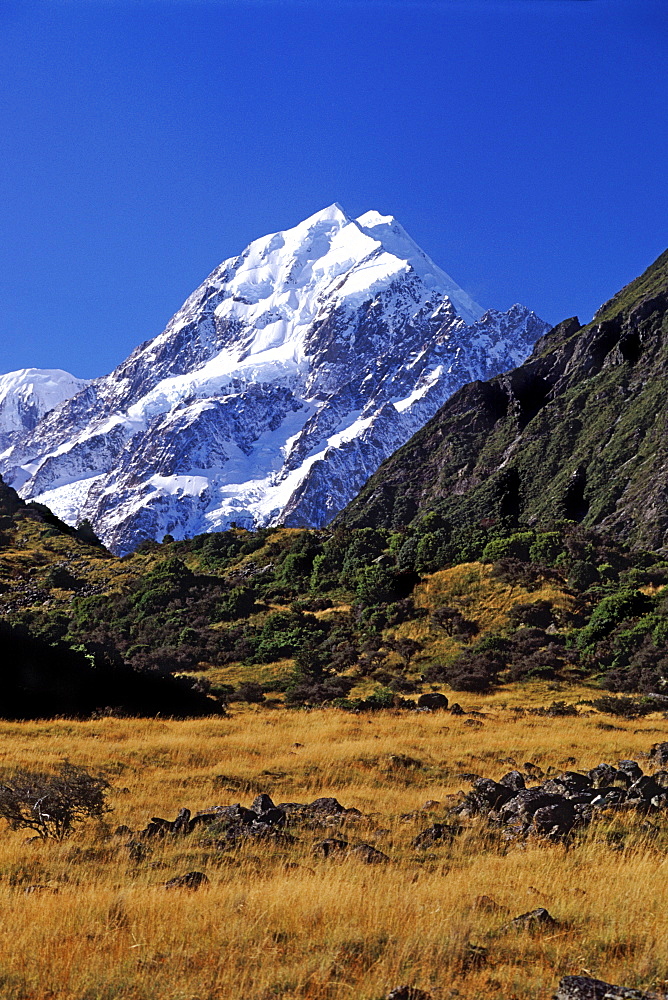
(587, 988)
(273, 393)
(578, 432)
(552, 808)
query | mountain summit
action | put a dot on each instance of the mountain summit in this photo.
(274, 392)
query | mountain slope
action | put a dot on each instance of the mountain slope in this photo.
(274, 392)
(27, 395)
(579, 431)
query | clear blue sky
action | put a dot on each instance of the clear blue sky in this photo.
(522, 143)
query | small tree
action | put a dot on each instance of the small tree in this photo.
(51, 804)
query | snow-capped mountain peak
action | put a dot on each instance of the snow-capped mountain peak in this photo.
(274, 392)
(394, 239)
(28, 394)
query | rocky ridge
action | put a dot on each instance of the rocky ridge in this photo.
(577, 432)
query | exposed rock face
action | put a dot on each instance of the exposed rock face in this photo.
(579, 431)
(274, 392)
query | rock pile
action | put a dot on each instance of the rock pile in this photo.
(234, 824)
(558, 805)
(585, 988)
(263, 818)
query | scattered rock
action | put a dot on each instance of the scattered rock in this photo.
(439, 831)
(263, 819)
(534, 920)
(513, 780)
(563, 801)
(182, 822)
(630, 768)
(262, 803)
(586, 988)
(368, 854)
(408, 993)
(491, 794)
(341, 848)
(558, 820)
(327, 806)
(602, 775)
(191, 880)
(329, 847)
(659, 754)
(433, 700)
(457, 709)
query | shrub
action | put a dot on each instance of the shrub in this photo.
(536, 613)
(610, 612)
(249, 692)
(518, 573)
(546, 547)
(582, 575)
(470, 671)
(515, 547)
(626, 708)
(407, 555)
(51, 804)
(454, 623)
(432, 551)
(309, 691)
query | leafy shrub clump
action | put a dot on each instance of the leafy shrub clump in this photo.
(249, 692)
(318, 691)
(626, 708)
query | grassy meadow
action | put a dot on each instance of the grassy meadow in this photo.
(86, 920)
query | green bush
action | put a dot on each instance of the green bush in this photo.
(610, 612)
(517, 546)
(546, 547)
(432, 551)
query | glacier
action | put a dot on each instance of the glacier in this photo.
(275, 391)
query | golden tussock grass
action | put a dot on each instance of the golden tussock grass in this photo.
(275, 920)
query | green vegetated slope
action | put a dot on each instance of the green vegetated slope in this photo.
(578, 432)
(518, 537)
(46, 670)
(362, 618)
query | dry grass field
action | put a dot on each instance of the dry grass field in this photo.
(84, 920)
